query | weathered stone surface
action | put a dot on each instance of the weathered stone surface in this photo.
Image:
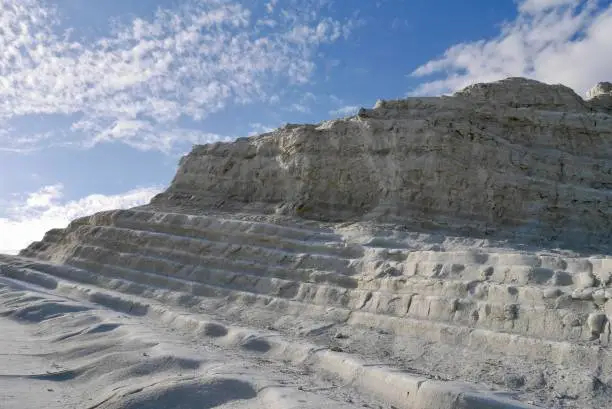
(292, 231)
(596, 322)
(599, 90)
(600, 97)
(514, 158)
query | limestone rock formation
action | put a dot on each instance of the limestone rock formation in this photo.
(601, 89)
(515, 158)
(447, 252)
(600, 97)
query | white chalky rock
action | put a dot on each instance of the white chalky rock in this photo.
(596, 322)
(602, 88)
(584, 280)
(514, 158)
(464, 237)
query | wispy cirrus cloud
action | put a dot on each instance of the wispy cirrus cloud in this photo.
(145, 135)
(345, 110)
(555, 41)
(27, 218)
(259, 128)
(303, 104)
(138, 82)
(535, 6)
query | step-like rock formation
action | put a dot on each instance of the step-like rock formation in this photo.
(385, 235)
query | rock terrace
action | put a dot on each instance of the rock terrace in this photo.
(444, 252)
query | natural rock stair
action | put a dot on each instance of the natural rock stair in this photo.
(489, 343)
(408, 302)
(418, 227)
(431, 298)
(409, 390)
(224, 263)
(446, 308)
(439, 299)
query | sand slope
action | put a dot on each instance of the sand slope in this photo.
(62, 351)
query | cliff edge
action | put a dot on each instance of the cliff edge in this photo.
(514, 158)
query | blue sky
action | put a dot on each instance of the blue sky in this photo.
(99, 99)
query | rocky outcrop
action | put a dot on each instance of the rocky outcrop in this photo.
(515, 158)
(599, 90)
(600, 97)
(383, 236)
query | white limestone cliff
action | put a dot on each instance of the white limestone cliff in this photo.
(601, 89)
(442, 252)
(600, 97)
(514, 158)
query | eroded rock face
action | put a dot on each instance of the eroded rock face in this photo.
(601, 89)
(430, 315)
(511, 158)
(600, 97)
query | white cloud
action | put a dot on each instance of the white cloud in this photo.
(271, 5)
(28, 220)
(146, 136)
(335, 99)
(554, 41)
(533, 6)
(259, 128)
(299, 108)
(45, 197)
(134, 84)
(345, 111)
(303, 104)
(326, 31)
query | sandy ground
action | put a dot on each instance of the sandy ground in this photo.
(59, 352)
(78, 346)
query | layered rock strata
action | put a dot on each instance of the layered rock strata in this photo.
(516, 158)
(385, 235)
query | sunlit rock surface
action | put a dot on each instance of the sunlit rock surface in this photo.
(443, 252)
(515, 158)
